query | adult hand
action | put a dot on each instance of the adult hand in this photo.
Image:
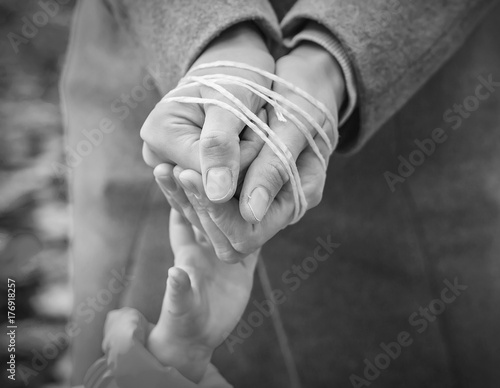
(266, 200)
(204, 301)
(206, 138)
(315, 71)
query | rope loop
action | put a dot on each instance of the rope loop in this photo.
(284, 109)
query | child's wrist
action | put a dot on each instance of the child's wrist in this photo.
(326, 65)
(242, 35)
(190, 359)
(241, 43)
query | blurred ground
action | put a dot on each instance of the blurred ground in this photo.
(33, 201)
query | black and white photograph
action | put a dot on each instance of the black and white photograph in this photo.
(250, 193)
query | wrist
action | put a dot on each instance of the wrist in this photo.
(190, 359)
(326, 67)
(245, 34)
(242, 42)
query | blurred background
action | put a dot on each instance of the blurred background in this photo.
(33, 196)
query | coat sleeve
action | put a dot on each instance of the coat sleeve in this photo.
(394, 47)
(173, 33)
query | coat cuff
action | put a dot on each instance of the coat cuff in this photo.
(394, 47)
(316, 33)
(173, 34)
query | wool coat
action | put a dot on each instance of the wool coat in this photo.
(394, 279)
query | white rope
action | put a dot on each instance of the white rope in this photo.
(282, 107)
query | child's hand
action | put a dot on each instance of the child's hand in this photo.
(203, 302)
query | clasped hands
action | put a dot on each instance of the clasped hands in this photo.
(217, 172)
(221, 178)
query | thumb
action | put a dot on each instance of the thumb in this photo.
(179, 296)
(181, 232)
(220, 153)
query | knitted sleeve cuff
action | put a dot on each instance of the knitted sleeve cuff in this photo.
(318, 34)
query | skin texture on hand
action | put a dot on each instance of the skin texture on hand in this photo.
(204, 300)
(265, 204)
(314, 70)
(207, 138)
(230, 158)
(200, 292)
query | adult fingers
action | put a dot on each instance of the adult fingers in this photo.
(192, 183)
(250, 146)
(235, 238)
(165, 177)
(267, 174)
(312, 176)
(150, 158)
(171, 133)
(219, 144)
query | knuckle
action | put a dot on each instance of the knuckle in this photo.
(216, 142)
(161, 118)
(315, 190)
(315, 199)
(148, 156)
(276, 174)
(242, 94)
(247, 98)
(147, 132)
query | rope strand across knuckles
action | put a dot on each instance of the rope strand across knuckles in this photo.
(282, 107)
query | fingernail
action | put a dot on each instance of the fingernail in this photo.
(219, 183)
(167, 182)
(258, 202)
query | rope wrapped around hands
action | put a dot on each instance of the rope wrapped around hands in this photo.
(283, 109)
